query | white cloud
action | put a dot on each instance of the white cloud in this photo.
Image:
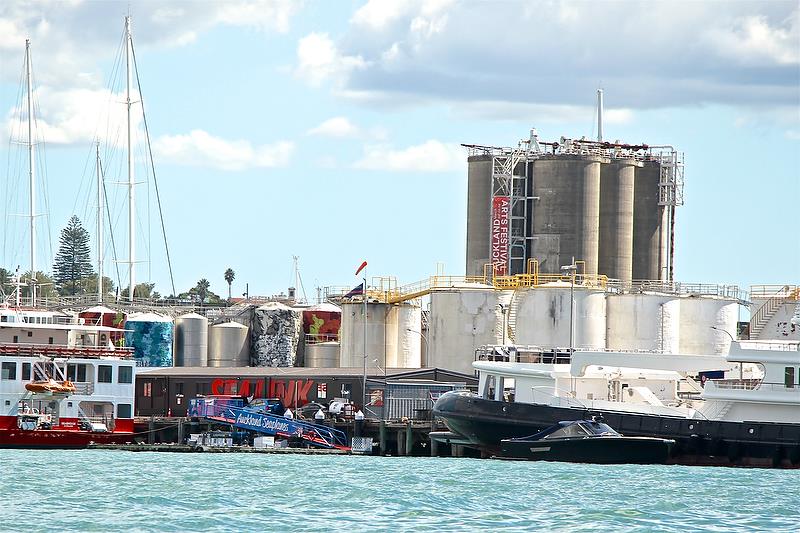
(75, 116)
(430, 156)
(199, 148)
(337, 127)
(318, 59)
(343, 128)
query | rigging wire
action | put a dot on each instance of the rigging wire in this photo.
(155, 181)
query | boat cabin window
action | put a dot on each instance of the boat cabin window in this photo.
(104, 374)
(788, 377)
(574, 430)
(125, 374)
(26, 371)
(9, 371)
(488, 387)
(76, 372)
(16, 339)
(124, 409)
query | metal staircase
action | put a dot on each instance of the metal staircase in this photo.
(513, 307)
(767, 311)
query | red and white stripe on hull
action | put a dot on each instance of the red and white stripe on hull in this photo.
(66, 435)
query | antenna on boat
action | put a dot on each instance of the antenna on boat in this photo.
(31, 180)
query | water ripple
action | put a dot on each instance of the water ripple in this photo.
(102, 491)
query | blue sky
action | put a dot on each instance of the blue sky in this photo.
(331, 130)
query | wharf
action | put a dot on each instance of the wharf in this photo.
(183, 448)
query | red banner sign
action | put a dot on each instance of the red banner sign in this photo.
(501, 206)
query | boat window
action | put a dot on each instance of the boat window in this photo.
(76, 372)
(104, 374)
(16, 339)
(488, 387)
(509, 389)
(788, 377)
(9, 371)
(30, 334)
(125, 374)
(124, 410)
(573, 430)
(26, 371)
(50, 340)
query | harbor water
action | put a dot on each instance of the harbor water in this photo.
(95, 490)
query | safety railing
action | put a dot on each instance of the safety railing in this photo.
(790, 292)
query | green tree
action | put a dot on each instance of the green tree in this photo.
(142, 290)
(109, 289)
(45, 285)
(229, 276)
(72, 263)
(202, 293)
(6, 288)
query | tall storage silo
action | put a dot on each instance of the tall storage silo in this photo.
(615, 250)
(322, 355)
(276, 335)
(698, 315)
(462, 320)
(150, 335)
(643, 322)
(543, 317)
(191, 340)
(381, 326)
(479, 197)
(321, 323)
(566, 215)
(409, 337)
(649, 225)
(228, 345)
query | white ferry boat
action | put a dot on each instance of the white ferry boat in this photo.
(62, 383)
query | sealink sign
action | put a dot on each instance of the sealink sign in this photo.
(261, 422)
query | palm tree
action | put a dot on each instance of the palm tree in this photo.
(229, 275)
(201, 289)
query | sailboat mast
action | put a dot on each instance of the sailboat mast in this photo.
(100, 205)
(31, 180)
(131, 199)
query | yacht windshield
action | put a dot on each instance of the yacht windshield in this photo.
(581, 429)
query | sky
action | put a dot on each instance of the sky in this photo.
(331, 131)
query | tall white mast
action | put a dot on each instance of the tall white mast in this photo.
(100, 205)
(31, 181)
(131, 199)
(599, 114)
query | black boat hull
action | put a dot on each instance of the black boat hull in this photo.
(596, 450)
(484, 423)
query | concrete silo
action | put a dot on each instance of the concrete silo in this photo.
(707, 324)
(191, 340)
(393, 335)
(615, 255)
(649, 225)
(565, 221)
(479, 197)
(648, 322)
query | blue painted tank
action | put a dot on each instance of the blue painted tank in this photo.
(150, 336)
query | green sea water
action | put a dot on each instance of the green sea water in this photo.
(92, 490)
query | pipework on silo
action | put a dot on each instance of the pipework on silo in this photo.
(609, 205)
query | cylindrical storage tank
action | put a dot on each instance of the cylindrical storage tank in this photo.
(191, 340)
(648, 322)
(409, 337)
(615, 252)
(321, 323)
(228, 345)
(699, 316)
(150, 335)
(101, 315)
(462, 320)
(543, 317)
(565, 221)
(381, 335)
(649, 237)
(322, 355)
(276, 334)
(479, 199)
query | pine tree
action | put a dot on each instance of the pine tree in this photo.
(72, 262)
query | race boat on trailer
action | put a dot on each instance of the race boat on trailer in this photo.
(62, 384)
(748, 416)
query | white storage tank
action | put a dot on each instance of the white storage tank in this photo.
(647, 321)
(409, 337)
(191, 340)
(322, 355)
(698, 315)
(228, 345)
(393, 335)
(543, 317)
(462, 320)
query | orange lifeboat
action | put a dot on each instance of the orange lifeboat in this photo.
(51, 386)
